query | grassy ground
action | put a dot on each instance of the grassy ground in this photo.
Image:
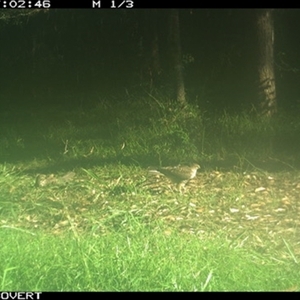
(111, 226)
(137, 258)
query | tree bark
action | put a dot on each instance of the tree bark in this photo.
(149, 52)
(177, 56)
(267, 86)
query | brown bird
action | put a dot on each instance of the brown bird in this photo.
(180, 175)
(43, 180)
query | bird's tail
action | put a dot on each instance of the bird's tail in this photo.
(153, 171)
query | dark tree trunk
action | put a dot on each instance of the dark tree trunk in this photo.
(177, 56)
(149, 51)
(267, 86)
(155, 61)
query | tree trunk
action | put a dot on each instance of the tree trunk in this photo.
(267, 86)
(149, 52)
(177, 56)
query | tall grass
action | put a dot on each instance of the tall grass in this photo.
(148, 130)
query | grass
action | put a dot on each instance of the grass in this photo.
(142, 259)
(113, 227)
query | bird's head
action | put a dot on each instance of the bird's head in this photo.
(195, 166)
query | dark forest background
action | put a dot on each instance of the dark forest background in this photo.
(75, 56)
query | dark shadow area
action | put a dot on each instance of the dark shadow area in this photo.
(228, 165)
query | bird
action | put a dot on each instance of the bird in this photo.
(43, 180)
(179, 175)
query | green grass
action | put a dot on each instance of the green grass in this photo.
(114, 227)
(139, 260)
(146, 131)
